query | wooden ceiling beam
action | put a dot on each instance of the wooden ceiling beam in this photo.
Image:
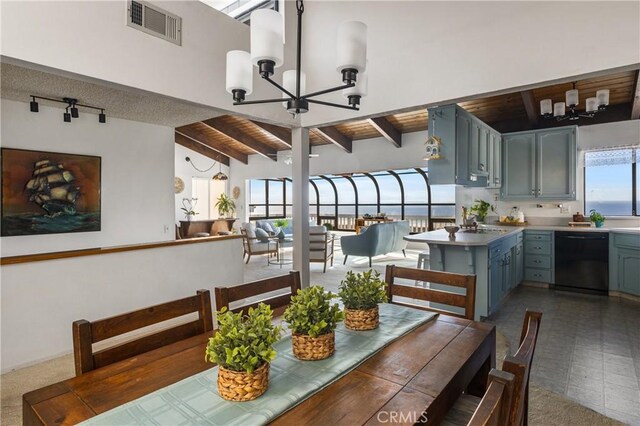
(334, 136)
(241, 137)
(635, 107)
(200, 149)
(530, 106)
(281, 133)
(204, 139)
(387, 130)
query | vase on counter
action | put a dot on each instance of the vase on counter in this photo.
(599, 223)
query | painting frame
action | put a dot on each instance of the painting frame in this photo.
(46, 192)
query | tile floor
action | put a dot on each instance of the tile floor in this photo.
(588, 349)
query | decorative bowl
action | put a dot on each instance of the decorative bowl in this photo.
(452, 230)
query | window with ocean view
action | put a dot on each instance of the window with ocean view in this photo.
(611, 182)
(340, 199)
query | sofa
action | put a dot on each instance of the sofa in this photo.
(269, 224)
(380, 238)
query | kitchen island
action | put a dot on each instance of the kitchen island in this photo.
(494, 255)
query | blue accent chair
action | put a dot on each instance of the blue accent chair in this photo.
(380, 238)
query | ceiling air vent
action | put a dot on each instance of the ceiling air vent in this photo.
(155, 21)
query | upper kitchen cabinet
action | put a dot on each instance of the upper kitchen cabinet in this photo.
(540, 164)
(470, 149)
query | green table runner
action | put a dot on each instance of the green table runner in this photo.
(195, 400)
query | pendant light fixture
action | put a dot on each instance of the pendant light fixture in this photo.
(217, 176)
(267, 54)
(558, 111)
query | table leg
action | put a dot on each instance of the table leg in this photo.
(480, 382)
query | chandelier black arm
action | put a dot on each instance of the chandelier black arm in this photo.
(322, 92)
(279, 87)
(315, 101)
(263, 101)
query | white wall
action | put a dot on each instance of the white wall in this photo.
(91, 38)
(425, 52)
(368, 155)
(137, 175)
(40, 300)
(186, 172)
(589, 137)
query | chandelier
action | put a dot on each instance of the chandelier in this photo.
(593, 105)
(267, 53)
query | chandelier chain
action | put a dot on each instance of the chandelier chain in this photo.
(202, 171)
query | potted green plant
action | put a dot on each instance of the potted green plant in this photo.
(312, 320)
(328, 225)
(597, 218)
(480, 209)
(243, 350)
(225, 205)
(188, 207)
(281, 223)
(360, 294)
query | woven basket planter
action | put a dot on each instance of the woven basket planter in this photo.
(357, 319)
(313, 348)
(242, 386)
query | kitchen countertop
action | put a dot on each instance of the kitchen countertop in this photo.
(469, 239)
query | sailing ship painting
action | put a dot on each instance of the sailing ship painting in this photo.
(47, 193)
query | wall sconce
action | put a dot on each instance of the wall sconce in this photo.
(433, 147)
(71, 111)
(218, 176)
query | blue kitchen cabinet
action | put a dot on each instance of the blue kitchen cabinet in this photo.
(519, 264)
(470, 149)
(538, 256)
(540, 164)
(496, 264)
(624, 263)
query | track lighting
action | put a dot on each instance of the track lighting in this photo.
(33, 105)
(71, 110)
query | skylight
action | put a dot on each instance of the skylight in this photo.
(241, 9)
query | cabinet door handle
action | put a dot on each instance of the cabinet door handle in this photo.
(538, 192)
(481, 167)
(533, 192)
(537, 261)
(537, 275)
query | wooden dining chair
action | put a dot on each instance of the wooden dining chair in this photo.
(517, 367)
(466, 301)
(86, 333)
(492, 410)
(226, 295)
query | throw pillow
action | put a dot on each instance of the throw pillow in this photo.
(267, 227)
(262, 235)
(277, 231)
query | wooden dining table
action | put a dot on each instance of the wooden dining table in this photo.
(415, 379)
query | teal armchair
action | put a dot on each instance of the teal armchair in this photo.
(380, 238)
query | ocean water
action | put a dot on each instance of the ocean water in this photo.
(610, 208)
(28, 224)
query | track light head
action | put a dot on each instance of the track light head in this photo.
(102, 118)
(33, 105)
(74, 111)
(66, 116)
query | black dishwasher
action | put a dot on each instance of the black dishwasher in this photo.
(582, 261)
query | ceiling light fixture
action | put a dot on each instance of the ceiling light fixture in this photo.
(71, 110)
(267, 53)
(288, 160)
(217, 176)
(558, 110)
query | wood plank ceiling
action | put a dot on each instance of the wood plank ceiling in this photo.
(228, 136)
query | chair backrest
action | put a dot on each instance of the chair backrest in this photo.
(466, 301)
(520, 366)
(86, 333)
(494, 409)
(226, 295)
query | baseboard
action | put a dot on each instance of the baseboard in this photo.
(535, 284)
(625, 296)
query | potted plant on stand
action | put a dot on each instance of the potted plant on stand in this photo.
(225, 205)
(480, 209)
(596, 217)
(361, 294)
(243, 349)
(312, 319)
(188, 207)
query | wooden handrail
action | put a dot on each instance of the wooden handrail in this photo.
(12, 260)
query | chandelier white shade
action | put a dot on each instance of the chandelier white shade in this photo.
(352, 46)
(267, 42)
(239, 71)
(559, 111)
(361, 87)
